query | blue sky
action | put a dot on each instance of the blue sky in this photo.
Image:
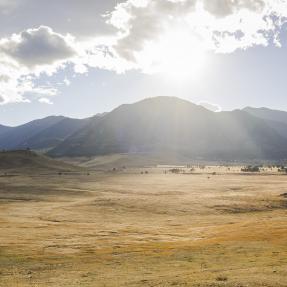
(246, 73)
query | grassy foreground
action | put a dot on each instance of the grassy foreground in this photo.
(132, 229)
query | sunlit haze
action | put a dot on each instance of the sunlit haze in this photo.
(143, 143)
(99, 54)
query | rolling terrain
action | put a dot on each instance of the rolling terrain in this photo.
(113, 222)
(25, 161)
(140, 230)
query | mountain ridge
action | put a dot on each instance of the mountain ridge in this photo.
(176, 125)
(160, 124)
(32, 134)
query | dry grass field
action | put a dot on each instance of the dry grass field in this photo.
(132, 229)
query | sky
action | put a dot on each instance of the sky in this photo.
(78, 58)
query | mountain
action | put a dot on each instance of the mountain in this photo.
(274, 118)
(20, 161)
(18, 135)
(172, 125)
(268, 114)
(40, 134)
(4, 129)
(54, 135)
(161, 128)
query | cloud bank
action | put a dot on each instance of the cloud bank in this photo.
(147, 32)
(25, 56)
(37, 47)
(221, 26)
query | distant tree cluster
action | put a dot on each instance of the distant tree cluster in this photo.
(175, 170)
(251, 168)
(144, 172)
(282, 169)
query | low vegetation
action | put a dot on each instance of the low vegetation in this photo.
(26, 161)
(251, 168)
(125, 228)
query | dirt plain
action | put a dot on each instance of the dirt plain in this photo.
(125, 228)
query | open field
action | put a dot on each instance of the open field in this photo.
(155, 229)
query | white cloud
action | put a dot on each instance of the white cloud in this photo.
(45, 101)
(6, 6)
(67, 82)
(25, 56)
(5, 3)
(80, 68)
(38, 47)
(151, 35)
(209, 106)
(220, 26)
(17, 85)
(4, 78)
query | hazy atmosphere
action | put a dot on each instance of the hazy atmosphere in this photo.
(58, 55)
(143, 143)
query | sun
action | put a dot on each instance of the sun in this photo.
(183, 56)
(178, 56)
(182, 64)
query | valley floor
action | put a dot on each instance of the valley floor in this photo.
(132, 229)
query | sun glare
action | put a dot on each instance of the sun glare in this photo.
(182, 58)
(177, 56)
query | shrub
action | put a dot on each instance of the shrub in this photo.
(251, 168)
(221, 278)
(282, 169)
(175, 170)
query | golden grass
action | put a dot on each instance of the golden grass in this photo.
(128, 229)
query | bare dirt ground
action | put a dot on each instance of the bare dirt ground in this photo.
(132, 229)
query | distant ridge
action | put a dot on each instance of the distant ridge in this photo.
(275, 119)
(40, 134)
(268, 114)
(4, 129)
(172, 125)
(161, 125)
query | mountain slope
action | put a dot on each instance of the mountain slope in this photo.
(40, 134)
(133, 128)
(30, 162)
(268, 114)
(166, 124)
(17, 135)
(275, 119)
(4, 129)
(54, 135)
